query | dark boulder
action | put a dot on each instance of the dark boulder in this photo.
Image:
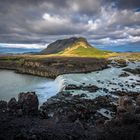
(91, 88)
(99, 122)
(124, 74)
(13, 105)
(128, 118)
(133, 71)
(28, 103)
(120, 111)
(72, 87)
(138, 100)
(127, 103)
(137, 110)
(3, 105)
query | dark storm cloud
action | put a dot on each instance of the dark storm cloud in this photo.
(128, 3)
(100, 21)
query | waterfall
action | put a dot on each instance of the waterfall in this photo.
(60, 82)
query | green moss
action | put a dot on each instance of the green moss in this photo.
(86, 52)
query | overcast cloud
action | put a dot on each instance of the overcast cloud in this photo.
(109, 22)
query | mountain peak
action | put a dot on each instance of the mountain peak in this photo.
(66, 44)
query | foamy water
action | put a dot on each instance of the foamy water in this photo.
(106, 76)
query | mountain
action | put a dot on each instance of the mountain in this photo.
(75, 46)
(61, 45)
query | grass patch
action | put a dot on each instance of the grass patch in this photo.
(87, 52)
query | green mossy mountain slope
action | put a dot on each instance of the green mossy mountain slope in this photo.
(75, 47)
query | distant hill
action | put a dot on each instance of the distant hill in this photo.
(74, 47)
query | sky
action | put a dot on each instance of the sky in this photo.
(35, 23)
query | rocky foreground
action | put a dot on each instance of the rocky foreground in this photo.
(68, 117)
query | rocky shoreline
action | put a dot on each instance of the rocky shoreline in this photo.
(53, 66)
(70, 117)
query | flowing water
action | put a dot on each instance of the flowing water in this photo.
(12, 83)
(107, 78)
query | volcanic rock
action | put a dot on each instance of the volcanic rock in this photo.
(3, 105)
(138, 100)
(13, 105)
(126, 103)
(28, 103)
(133, 71)
(124, 74)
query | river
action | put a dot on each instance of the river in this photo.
(12, 83)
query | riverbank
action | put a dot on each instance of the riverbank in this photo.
(51, 67)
